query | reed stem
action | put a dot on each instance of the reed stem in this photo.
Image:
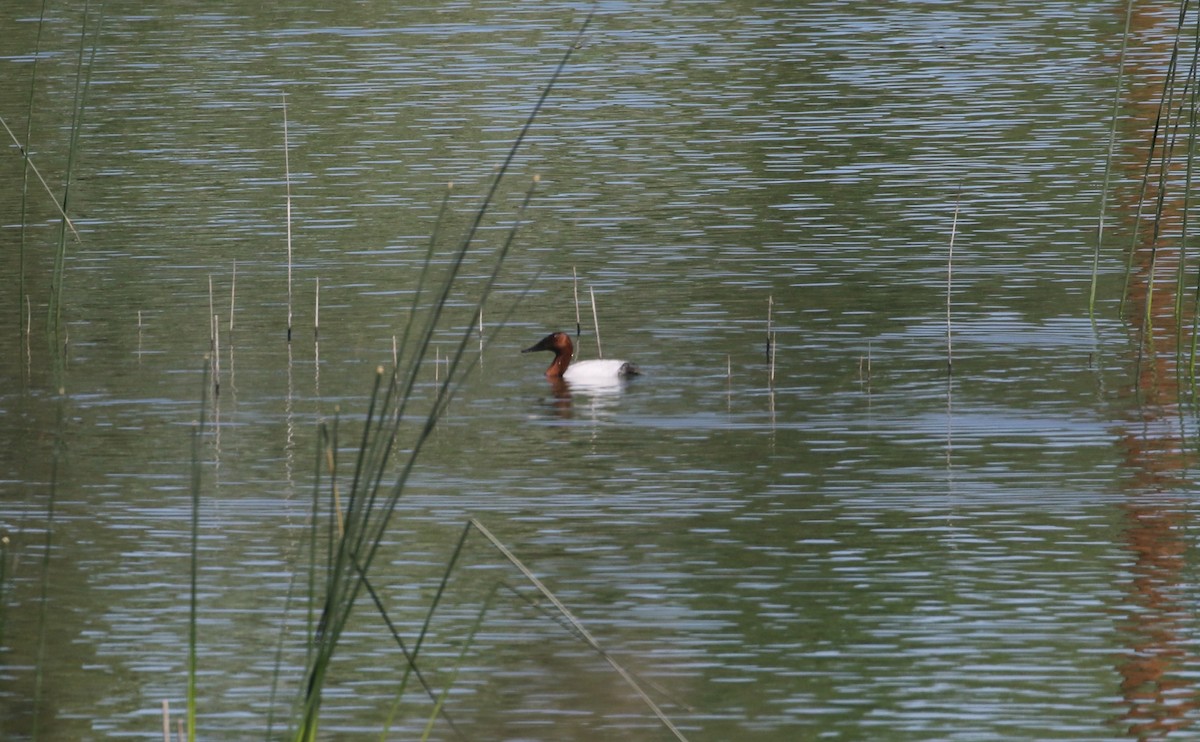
(287, 178)
(950, 285)
(82, 84)
(232, 295)
(3, 585)
(771, 339)
(1112, 144)
(211, 314)
(596, 323)
(575, 289)
(193, 602)
(216, 328)
(440, 701)
(26, 165)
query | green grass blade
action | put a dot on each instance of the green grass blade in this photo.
(193, 602)
(1112, 143)
(462, 656)
(578, 627)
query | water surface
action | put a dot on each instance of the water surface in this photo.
(859, 547)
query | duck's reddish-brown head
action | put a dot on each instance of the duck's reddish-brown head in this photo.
(560, 344)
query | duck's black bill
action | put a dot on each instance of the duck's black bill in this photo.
(545, 343)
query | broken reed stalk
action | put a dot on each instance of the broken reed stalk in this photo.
(864, 365)
(216, 355)
(596, 323)
(232, 295)
(1112, 142)
(211, 314)
(575, 288)
(214, 349)
(771, 338)
(317, 309)
(287, 178)
(950, 285)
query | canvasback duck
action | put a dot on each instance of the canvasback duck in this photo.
(582, 371)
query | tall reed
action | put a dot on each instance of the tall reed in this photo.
(56, 461)
(1162, 141)
(1108, 160)
(193, 599)
(575, 289)
(771, 339)
(950, 285)
(287, 179)
(3, 584)
(1174, 131)
(83, 80)
(26, 165)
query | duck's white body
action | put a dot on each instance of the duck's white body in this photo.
(590, 372)
(597, 372)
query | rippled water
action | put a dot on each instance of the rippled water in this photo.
(861, 548)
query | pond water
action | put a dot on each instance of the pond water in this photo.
(849, 543)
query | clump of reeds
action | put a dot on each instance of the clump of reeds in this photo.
(1162, 193)
(369, 503)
